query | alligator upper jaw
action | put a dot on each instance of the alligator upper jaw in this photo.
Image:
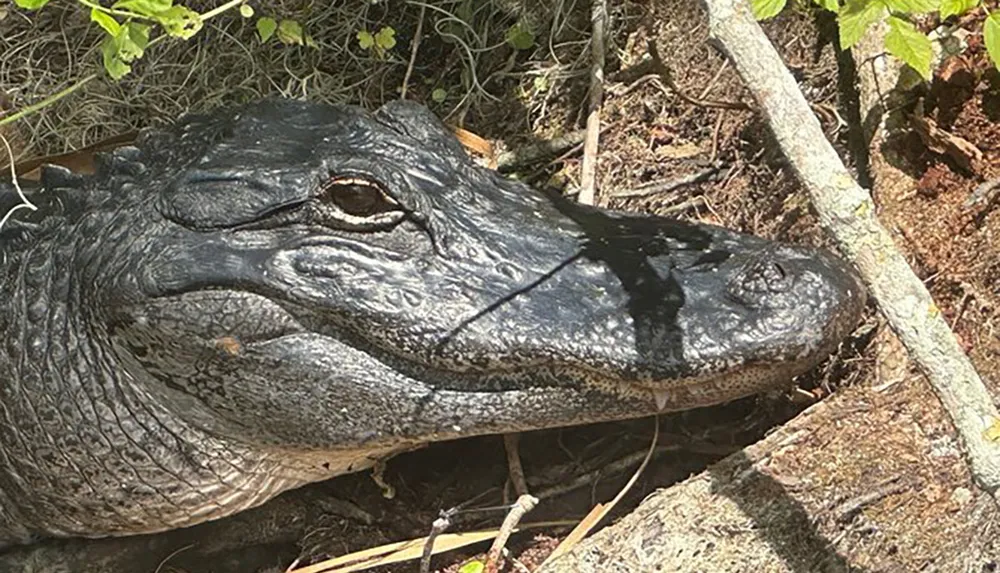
(725, 317)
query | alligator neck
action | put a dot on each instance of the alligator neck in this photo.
(85, 449)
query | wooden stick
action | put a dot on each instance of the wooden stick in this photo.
(523, 505)
(588, 173)
(413, 52)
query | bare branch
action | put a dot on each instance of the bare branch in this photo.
(588, 174)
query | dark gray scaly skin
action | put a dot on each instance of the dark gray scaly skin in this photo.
(265, 297)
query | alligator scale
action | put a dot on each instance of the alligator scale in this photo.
(264, 297)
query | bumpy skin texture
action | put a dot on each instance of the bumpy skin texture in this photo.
(264, 297)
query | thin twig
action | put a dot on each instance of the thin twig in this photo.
(682, 206)
(514, 464)
(534, 176)
(714, 156)
(46, 102)
(220, 9)
(173, 554)
(538, 151)
(667, 185)
(437, 528)
(715, 78)
(413, 51)
(667, 77)
(588, 173)
(849, 509)
(25, 203)
(615, 467)
(378, 476)
(523, 505)
(601, 510)
(963, 304)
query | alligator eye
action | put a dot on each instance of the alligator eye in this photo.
(358, 197)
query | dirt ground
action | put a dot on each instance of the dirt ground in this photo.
(673, 108)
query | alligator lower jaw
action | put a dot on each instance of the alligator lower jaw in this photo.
(676, 395)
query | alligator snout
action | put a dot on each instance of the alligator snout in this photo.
(688, 315)
(786, 309)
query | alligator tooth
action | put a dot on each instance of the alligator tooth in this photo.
(660, 397)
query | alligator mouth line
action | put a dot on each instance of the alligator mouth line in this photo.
(727, 384)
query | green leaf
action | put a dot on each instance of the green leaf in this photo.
(365, 39)
(520, 37)
(831, 5)
(855, 17)
(439, 95)
(114, 65)
(246, 10)
(385, 38)
(266, 28)
(148, 8)
(180, 21)
(913, 6)
(991, 35)
(907, 43)
(104, 20)
(764, 9)
(474, 566)
(31, 4)
(956, 7)
(138, 39)
(290, 32)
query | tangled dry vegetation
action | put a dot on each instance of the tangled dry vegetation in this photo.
(464, 61)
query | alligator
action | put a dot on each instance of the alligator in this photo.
(258, 298)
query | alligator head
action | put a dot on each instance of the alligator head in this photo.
(315, 281)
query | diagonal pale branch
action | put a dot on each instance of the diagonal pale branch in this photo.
(846, 211)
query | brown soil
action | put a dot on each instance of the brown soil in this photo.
(954, 243)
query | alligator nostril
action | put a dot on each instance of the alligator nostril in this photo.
(760, 279)
(776, 272)
(765, 277)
